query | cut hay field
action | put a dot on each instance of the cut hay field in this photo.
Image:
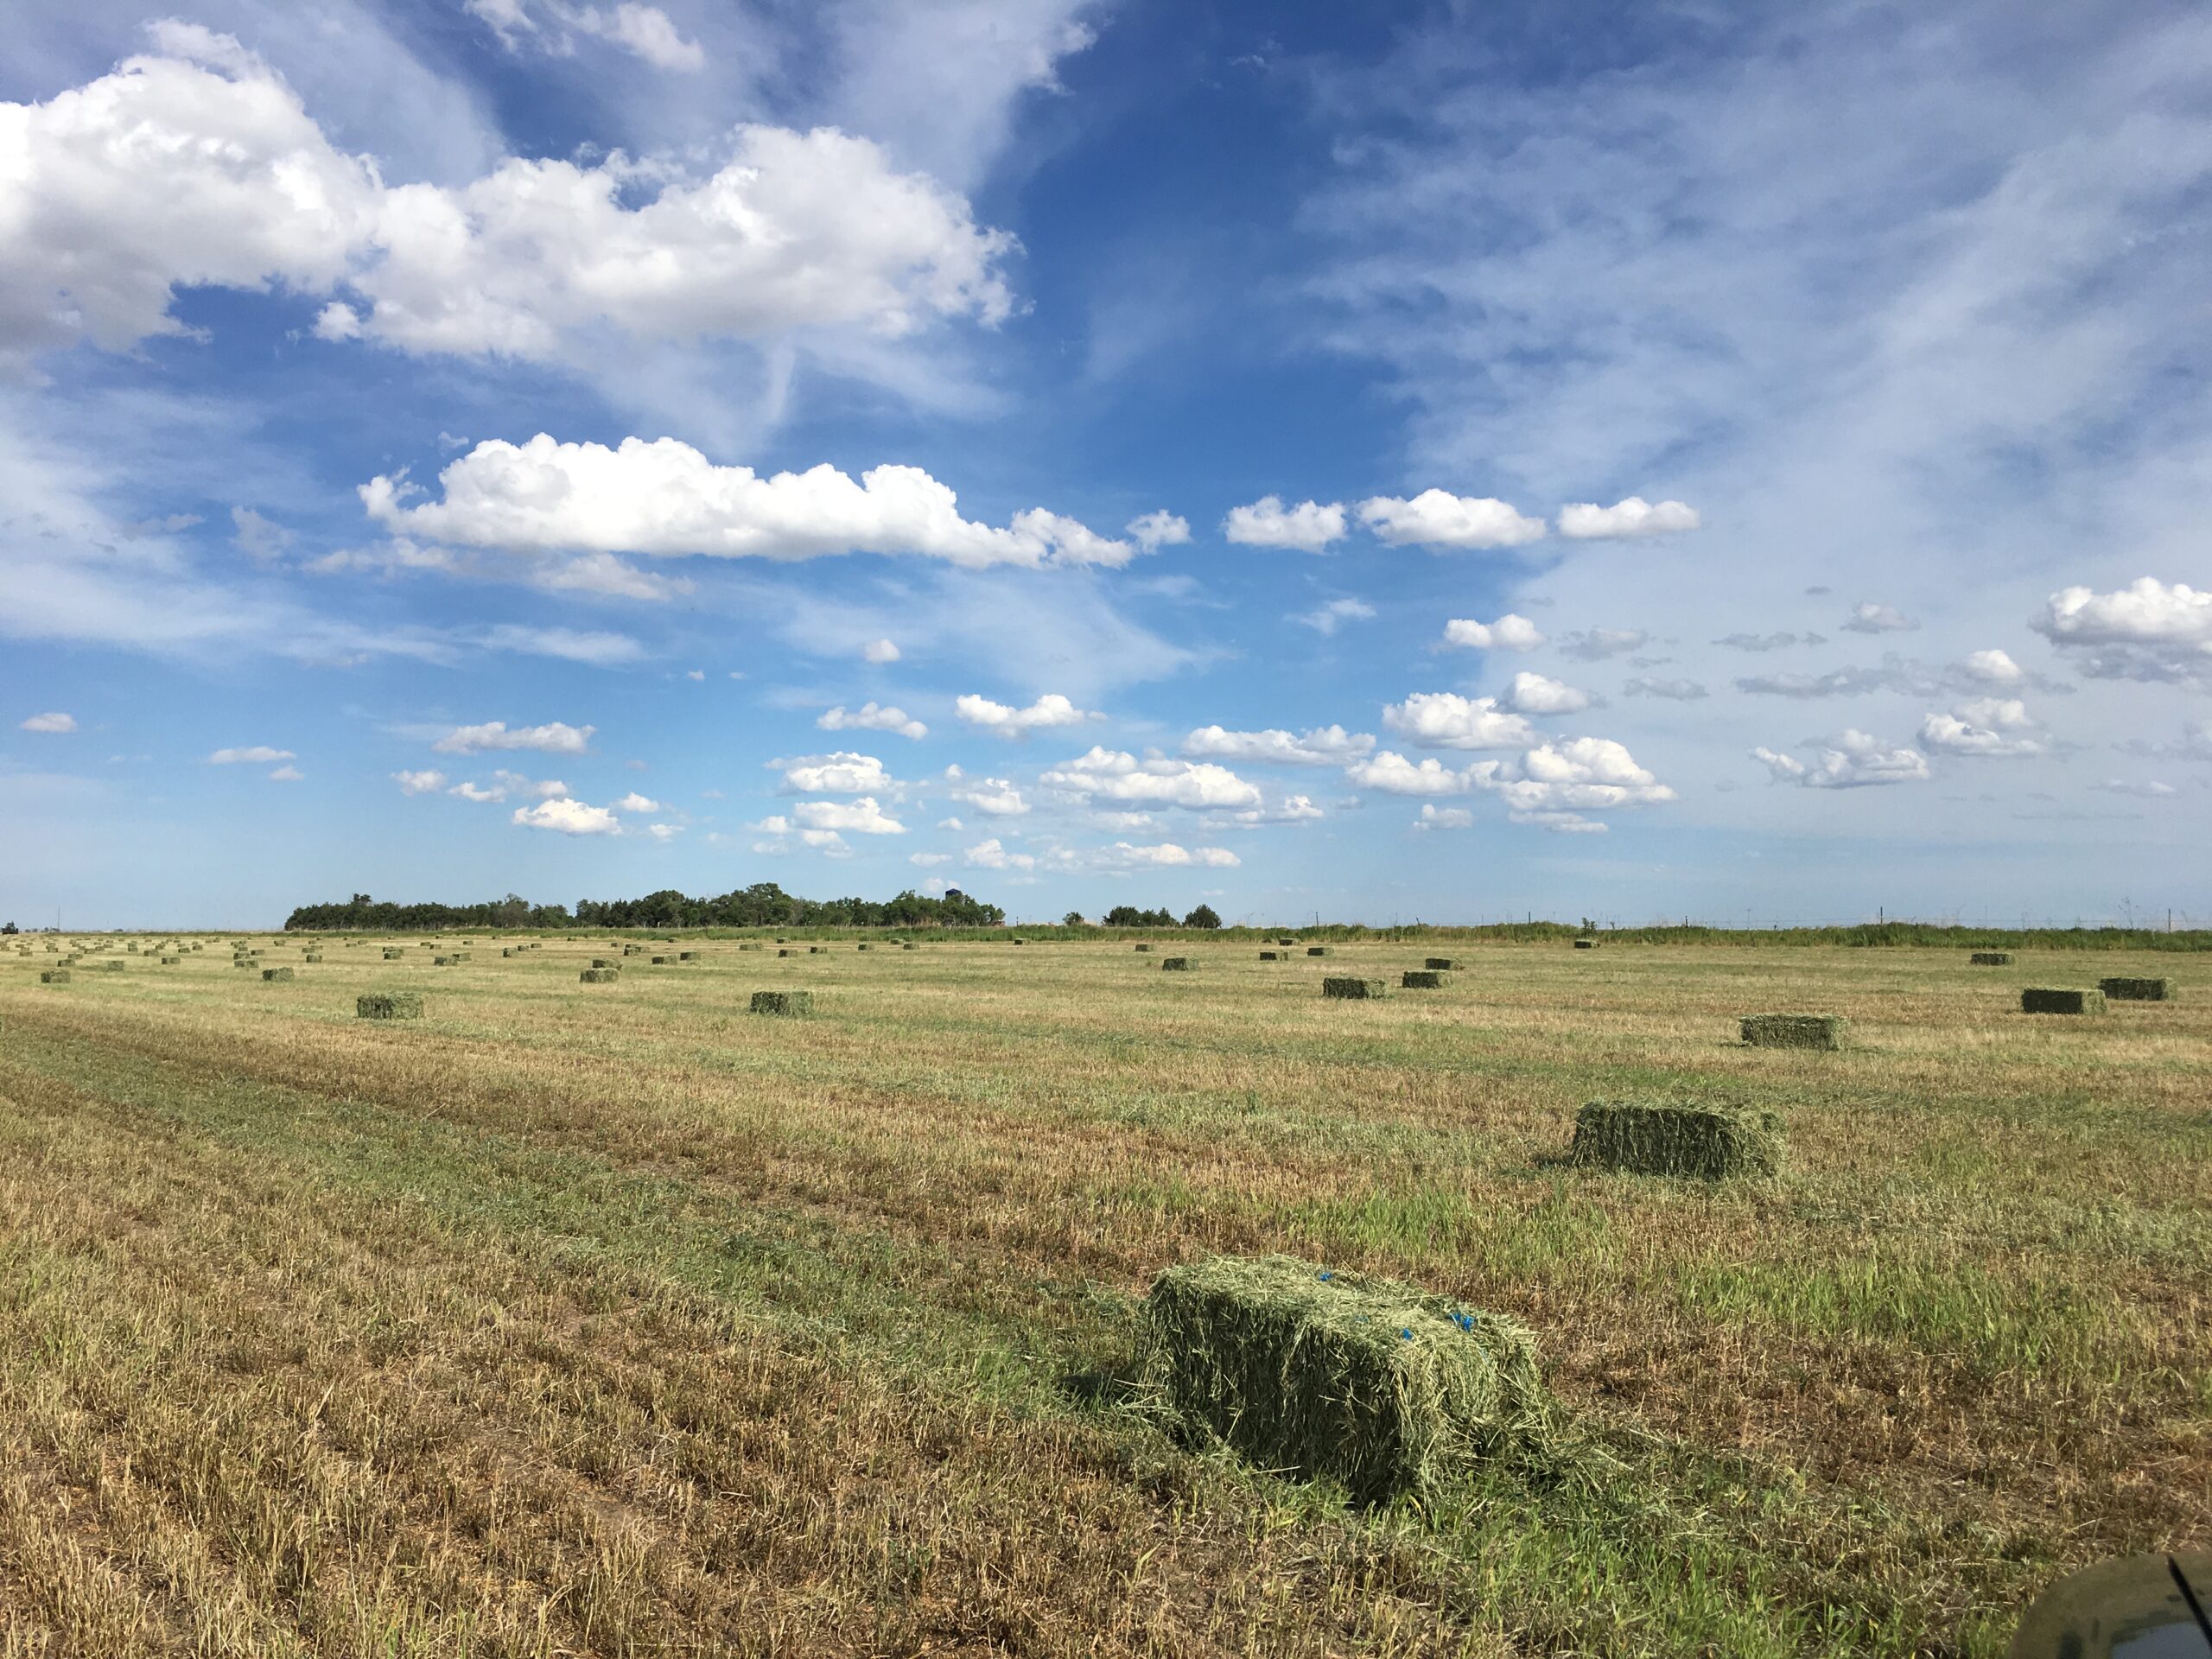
(613, 1319)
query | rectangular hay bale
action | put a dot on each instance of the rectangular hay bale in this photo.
(1270, 956)
(273, 976)
(783, 1002)
(1320, 951)
(1793, 1030)
(1711, 1143)
(389, 1005)
(53, 976)
(1990, 959)
(2120, 988)
(1175, 965)
(1353, 990)
(1585, 944)
(1423, 979)
(1376, 1385)
(1441, 964)
(600, 976)
(2048, 999)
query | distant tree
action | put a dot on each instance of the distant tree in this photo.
(10, 928)
(1201, 917)
(1073, 918)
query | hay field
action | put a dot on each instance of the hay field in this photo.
(610, 1319)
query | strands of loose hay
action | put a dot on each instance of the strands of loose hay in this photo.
(2046, 998)
(1710, 1142)
(600, 976)
(1793, 1030)
(783, 1002)
(1353, 990)
(1175, 965)
(1441, 964)
(2137, 990)
(1423, 979)
(1990, 959)
(389, 1005)
(1380, 1386)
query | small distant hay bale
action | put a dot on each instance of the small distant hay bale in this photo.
(660, 961)
(312, 956)
(275, 976)
(783, 953)
(817, 950)
(909, 945)
(1270, 956)
(506, 953)
(600, 976)
(1793, 1030)
(1585, 944)
(111, 967)
(170, 962)
(1707, 1143)
(1285, 941)
(395, 954)
(443, 962)
(1021, 941)
(748, 945)
(1423, 979)
(863, 947)
(687, 955)
(54, 976)
(1320, 951)
(1378, 1386)
(1441, 964)
(242, 962)
(389, 1005)
(1990, 959)
(1141, 948)
(1175, 964)
(1353, 990)
(2121, 990)
(634, 949)
(783, 1002)
(133, 947)
(2055, 999)
(604, 962)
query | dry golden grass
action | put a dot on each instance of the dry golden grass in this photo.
(611, 1319)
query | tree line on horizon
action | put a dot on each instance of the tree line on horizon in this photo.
(762, 904)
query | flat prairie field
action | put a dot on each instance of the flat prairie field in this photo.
(577, 1318)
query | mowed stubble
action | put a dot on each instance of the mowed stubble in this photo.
(608, 1319)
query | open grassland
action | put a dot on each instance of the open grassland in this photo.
(610, 1319)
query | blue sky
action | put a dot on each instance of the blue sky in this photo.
(1414, 462)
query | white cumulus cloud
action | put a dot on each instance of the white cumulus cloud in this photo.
(1321, 746)
(1166, 856)
(1444, 720)
(1439, 518)
(991, 855)
(2146, 630)
(862, 816)
(1635, 516)
(1852, 759)
(53, 721)
(1995, 728)
(1434, 816)
(1115, 775)
(1509, 632)
(570, 816)
(1533, 694)
(1049, 710)
(419, 783)
(1309, 527)
(880, 652)
(842, 774)
(665, 498)
(872, 717)
(555, 737)
(1871, 618)
(1153, 530)
(993, 797)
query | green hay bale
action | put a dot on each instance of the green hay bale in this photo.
(1585, 944)
(2138, 991)
(242, 962)
(1793, 1030)
(1270, 956)
(1423, 979)
(395, 955)
(2052, 1000)
(687, 955)
(312, 956)
(1374, 1384)
(910, 947)
(389, 1005)
(1175, 964)
(863, 947)
(1320, 951)
(783, 1002)
(1141, 949)
(749, 946)
(170, 962)
(1021, 941)
(275, 976)
(54, 976)
(1710, 1142)
(604, 962)
(660, 961)
(598, 976)
(1441, 964)
(817, 950)
(783, 953)
(1990, 959)
(1353, 990)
